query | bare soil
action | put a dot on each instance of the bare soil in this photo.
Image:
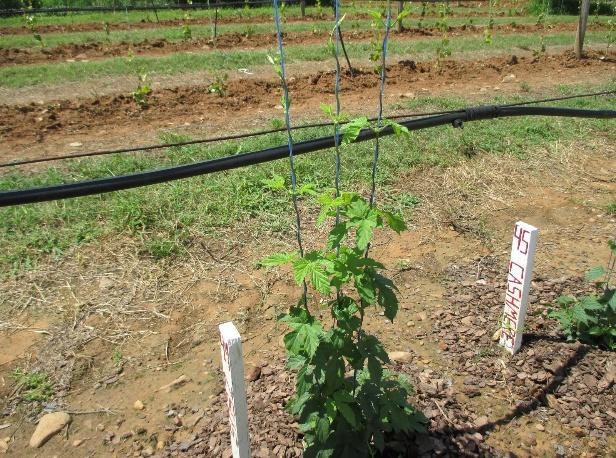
(52, 126)
(551, 399)
(90, 51)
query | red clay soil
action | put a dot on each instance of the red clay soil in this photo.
(20, 56)
(116, 26)
(25, 126)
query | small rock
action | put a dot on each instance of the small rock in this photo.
(539, 427)
(75, 144)
(77, 442)
(252, 373)
(497, 335)
(138, 405)
(49, 425)
(148, 451)
(400, 356)
(160, 445)
(181, 380)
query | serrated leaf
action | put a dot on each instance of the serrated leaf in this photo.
(351, 130)
(364, 285)
(591, 303)
(398, 129)
(395, 222)
(347, 413)
(336, 235)
(364, 233)
(322, 429)
(294, 362)
(375, 369)
(327, 109)
(386, 296)
(304, 338)
(595, 272)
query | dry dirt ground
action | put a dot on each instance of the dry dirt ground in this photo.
(38, 123)
(112, 327)
(74, 318)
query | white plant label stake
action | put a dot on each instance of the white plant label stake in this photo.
(518, 285)
(233, 369)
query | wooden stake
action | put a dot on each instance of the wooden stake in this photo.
(518, 285)
(233, 369)
(581, 30)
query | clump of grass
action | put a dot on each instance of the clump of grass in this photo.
(33, 386)
(611, 208)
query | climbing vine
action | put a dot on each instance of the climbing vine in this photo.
(346, 402)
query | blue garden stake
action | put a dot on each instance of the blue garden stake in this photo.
(383, 75)
(286, 105)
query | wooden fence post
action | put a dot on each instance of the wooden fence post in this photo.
(581, 30)
(233, 370)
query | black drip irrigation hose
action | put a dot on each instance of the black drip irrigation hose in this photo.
(268, 132)
(103, 185)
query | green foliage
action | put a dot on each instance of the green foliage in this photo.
(142, 93)
(443, 49)
(186, 30)
(33, 386)
(219, 85)
(30, 22)
(611, 208)
(117, 356)
(611, 35)
(572, 7)
(161, 247)
(107, 30)
(339, 414)
(592, 318)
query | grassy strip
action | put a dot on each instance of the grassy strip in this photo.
(205, 31)
(166, 218)
(264, 12)
(149, 16)
(172, 64)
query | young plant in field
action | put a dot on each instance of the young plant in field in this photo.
(219, 85)
(107, 29)
(488, 31)
(186, 30)
(611, 35)
(142, 93)
(592, 319)
(347, 404)
(378, 27)
(31, 24)
(443, 50)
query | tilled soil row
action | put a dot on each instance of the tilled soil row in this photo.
(549, 380)
(29, 124)
(116, 26)
(88, 51)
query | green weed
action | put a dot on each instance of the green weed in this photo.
(592, 318)
(33, 386)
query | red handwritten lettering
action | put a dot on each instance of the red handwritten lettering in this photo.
(519, 234)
